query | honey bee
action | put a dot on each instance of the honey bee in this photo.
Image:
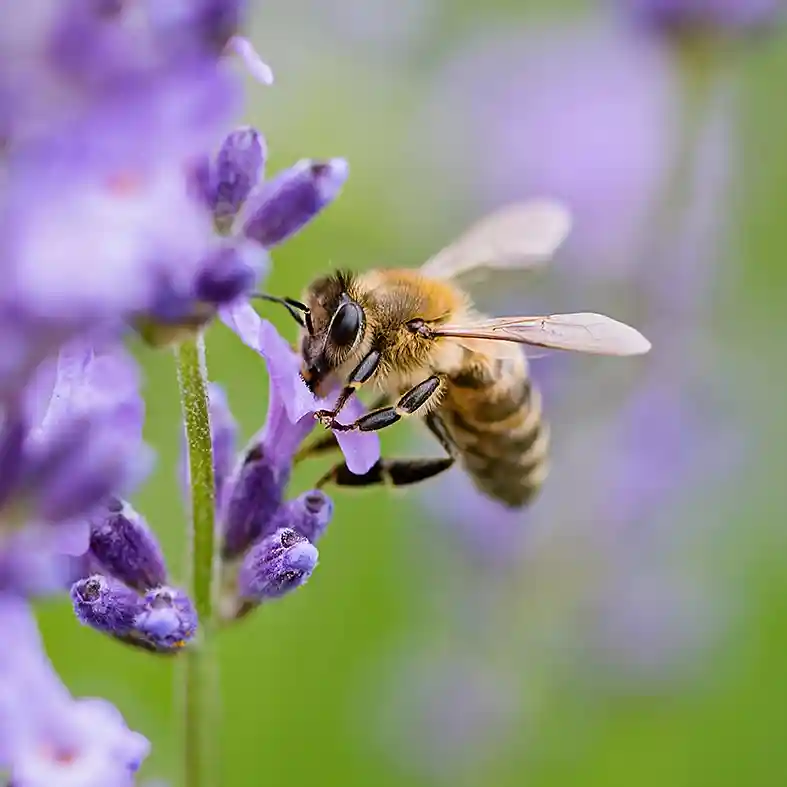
(415, 336)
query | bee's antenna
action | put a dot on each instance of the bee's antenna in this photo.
(291, 305)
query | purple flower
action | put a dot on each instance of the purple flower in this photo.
(124, 547)
(685, 16)
(73, 439)
(444, 716)
(275, 566)
(537, 120)
(292, 199)
(649, 624)
(47, 737)
(255, 492)
(100, 224)
(163, 620)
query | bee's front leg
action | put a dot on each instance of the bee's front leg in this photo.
(408, 404)
(361, 374)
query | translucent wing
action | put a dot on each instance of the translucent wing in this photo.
(516, 236)
(584, 332)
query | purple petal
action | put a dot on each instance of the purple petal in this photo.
(292, 199)
(361, 449)
(282, 362)
(244, 49)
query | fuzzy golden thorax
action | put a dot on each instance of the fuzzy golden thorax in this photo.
(386, 301)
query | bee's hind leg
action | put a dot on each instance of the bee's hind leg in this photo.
(398, 472)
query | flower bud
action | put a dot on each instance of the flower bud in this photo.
(275, 566)
(229, 273)
(253, 498)
(168, 620)
(106, 605)
(238, 169)
(294, 197)
(125, 547)
(309, 514)
(163, 620)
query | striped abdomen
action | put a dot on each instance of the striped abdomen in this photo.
(493, 415)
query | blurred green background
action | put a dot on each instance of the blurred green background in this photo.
(307, 681)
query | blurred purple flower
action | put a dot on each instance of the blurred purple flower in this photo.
(105, 112)
(686, 16)
(73, 439)
(648, 626)
(46, 737)
(526, 115)
(447, 717)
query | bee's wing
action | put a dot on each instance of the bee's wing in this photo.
(517, 236)
(584, 332)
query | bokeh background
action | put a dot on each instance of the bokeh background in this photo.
(632, 626)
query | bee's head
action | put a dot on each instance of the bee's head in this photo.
(334, 330)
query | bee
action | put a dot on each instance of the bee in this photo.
(415, 335)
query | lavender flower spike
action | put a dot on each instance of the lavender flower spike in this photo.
(292, 199)
(126, 548)
(275, 566)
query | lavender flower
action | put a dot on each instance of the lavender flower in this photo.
(104, 113)
(163, 620)
(536, 113)
(47, 737)
(276, 565)
(74, 438)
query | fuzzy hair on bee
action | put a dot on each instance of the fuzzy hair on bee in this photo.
(415, 336)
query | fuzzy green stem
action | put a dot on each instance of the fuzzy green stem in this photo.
(200, 758)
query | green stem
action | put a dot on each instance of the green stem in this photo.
(199, 661)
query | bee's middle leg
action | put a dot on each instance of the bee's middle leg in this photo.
(409, 403)
(398, 472)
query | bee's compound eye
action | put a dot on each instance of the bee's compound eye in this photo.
(346, 324)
